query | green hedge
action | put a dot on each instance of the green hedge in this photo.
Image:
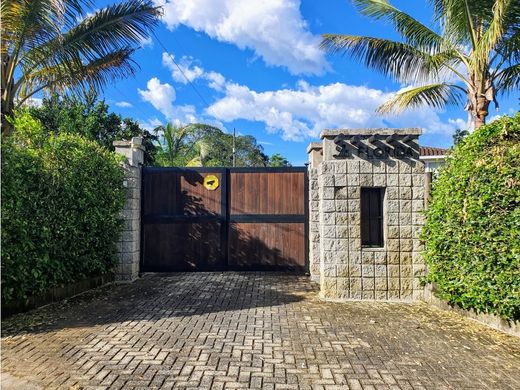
(472, 230)
(61, 201)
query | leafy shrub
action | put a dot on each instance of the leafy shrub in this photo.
(61, 201)
(472, 230)
(87, 116)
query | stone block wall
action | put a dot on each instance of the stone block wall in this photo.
(349, 270)
(129, 245)
(314, 227)
(314, 152)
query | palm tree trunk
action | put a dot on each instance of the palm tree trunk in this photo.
(7, 97)
(481, 111)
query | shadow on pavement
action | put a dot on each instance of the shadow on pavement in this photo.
(156, 297)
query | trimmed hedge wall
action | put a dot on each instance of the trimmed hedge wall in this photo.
(472, 230)
(61, 201)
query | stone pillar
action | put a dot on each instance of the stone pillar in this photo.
(314, 150)
(387, 159)
(129, 246)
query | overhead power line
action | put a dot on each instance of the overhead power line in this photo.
(180, 69)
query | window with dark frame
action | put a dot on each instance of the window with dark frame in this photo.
(372, 217)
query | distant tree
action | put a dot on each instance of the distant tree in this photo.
(470, 55)
(459, 135)
(277, 160)
(178, 145)
(217, 151)
(248, 152)
(56, 46)
(91, 118)
(204, 145)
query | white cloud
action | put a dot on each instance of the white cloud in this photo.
(184, 72)
(146, 42)
(216, 80)
(161, 96)
(273, 29)
(297, 114)
(304, 112)
(124, 104)
(150, 124)
(190, 73)
(184, 114)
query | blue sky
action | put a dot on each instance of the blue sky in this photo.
(258, 68)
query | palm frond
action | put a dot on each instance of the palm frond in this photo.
(509, 47)
(195, 162)
(508, 79)
(460, 18)
(26, 24)
(92, 75)
(395, 59)
(30, 22)
(433, 95)
(109, 29)
(112, 27)
(415, 33)
(494, 32)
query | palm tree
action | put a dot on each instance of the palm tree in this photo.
(472, 54)
(53, 45)
(182, 142)
(173, 140)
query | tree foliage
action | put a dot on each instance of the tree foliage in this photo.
(55, 45)
(471, 53)
(459, 135)
(204, 145)
(62, 196)
(182, 145)
(277, 160)
(473, 222)
(89, 117)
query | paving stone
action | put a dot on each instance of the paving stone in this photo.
(250, 331)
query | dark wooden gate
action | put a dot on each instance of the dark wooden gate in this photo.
(255, 219)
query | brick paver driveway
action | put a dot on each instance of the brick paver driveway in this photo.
(249, 330)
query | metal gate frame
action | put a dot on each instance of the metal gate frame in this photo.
(225, 217)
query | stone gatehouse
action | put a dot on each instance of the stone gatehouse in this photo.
(366, 191)
(366, 198)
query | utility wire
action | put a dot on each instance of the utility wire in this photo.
(180, 69)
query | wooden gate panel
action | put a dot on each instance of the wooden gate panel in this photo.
(182, 246)
(197, 200)
(267, 217)
(183, 223)
(160, 194)
(269, 193)
(255, 219)
(267, 245)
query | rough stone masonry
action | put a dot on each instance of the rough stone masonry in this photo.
(359, 250)
(129, 244)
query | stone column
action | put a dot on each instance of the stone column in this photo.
(314, 150)
(386, 160)
(129, 245)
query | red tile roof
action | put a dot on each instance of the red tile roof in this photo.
(431, 151)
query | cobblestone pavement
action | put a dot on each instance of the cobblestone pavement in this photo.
(249, 330)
